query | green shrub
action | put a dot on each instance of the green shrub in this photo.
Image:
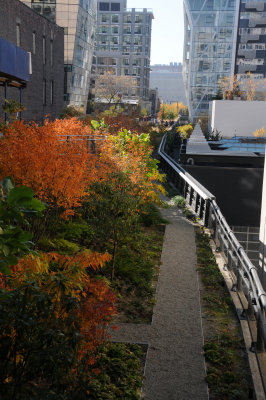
(62, 246)
(74, 231)
(151, 215)
(179, 201)
(120, 376)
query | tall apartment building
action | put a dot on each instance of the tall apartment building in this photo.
(31, 61)
(251, 40)
(209, 49)
(78, 18)
(123, 43)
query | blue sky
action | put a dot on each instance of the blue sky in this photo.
(167, 31)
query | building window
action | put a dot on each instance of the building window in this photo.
(65, 30)
(115, 6)
(52, 52)
(104, 6)
(115, 19)
(44, 50)
(18, 35)
(52, 92)
(44, 92)
(33, 42)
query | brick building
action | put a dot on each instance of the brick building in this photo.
(23, 31)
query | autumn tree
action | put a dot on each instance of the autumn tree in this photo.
(260, 133)
(52, 159)
(112, 212)
(131, 153)
(53, 319)
(110, 88)
(185, 131)
(170, 111)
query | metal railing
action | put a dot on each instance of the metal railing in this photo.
(243, 273)
(90, 140)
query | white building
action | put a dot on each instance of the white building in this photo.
(236, 118)
(123, 44)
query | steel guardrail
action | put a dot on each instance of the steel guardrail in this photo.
(244, 275)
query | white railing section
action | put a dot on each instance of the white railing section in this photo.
(90, 140)
(244, 274)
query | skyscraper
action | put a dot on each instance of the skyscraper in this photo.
(123, 43)
(251, 41)
(209, 49)
(78, 18)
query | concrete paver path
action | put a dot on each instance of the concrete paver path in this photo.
(175, 368)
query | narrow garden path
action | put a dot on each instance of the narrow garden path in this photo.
(175, 368)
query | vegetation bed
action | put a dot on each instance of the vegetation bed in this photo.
(228, 374)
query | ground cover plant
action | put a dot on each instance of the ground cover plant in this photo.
(69, 259)
(228, 374)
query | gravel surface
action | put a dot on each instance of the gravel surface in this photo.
(175, 368)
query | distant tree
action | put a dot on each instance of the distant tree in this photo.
(203, 122)
(185, 130)
(260, 133)
(110, 87)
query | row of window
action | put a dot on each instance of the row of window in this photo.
(252, 31)
(114, 61)
(248, 15)
(138, 41)
(109, 6)
(254, 61)
(127, 19)
(126, 50)
(34, 45)
(247, 76)
(252, 46)
(126, 30)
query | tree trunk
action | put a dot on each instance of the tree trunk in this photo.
(113, 261)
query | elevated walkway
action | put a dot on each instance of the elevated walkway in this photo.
(175, 368)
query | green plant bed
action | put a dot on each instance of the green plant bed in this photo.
(228, 374)
(121, 372)
(136, 275)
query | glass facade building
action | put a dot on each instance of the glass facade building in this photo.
(78, 18)
(123, 44)
(209, 49)
(251, 40)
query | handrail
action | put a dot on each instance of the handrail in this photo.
(243, 273)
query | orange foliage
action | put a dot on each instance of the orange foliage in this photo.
(56, 169)
(67, 275)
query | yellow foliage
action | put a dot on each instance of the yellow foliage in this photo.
(260, 132)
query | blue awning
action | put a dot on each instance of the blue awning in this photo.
(14, 61)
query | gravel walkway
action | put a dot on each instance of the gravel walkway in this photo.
(175, 368)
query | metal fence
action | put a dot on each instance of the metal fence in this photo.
(90, 140)
(245, 280)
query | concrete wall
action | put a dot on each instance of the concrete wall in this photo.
(262, 262)
(239, 197)
(14, 12)
(236, 117)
